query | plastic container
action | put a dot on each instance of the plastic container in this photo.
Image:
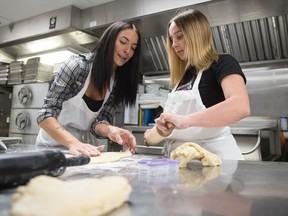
(142, 166)
(173, 166)
(159, 179)
(157, 167)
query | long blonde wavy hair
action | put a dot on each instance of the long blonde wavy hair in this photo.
(199, 51)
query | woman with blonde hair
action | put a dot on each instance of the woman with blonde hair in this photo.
(209, 91)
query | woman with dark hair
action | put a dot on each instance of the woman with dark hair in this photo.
(209, 91)
(87, 90)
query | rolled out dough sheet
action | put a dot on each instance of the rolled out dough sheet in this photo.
(46, 196)
(107, 157)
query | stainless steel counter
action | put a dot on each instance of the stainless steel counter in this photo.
(234, 188)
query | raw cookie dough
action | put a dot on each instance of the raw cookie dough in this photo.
(46, 196)
(192, 151)
(106, 157)
(109, 157)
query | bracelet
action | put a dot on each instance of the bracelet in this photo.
(103, 122)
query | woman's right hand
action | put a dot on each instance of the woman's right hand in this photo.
(171, 120)
(61, 135)
(85, 149)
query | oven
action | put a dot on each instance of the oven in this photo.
(27, 99)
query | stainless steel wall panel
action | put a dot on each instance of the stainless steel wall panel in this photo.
(163, 39)
(242, 43)
(272, 38)
(224, 36)
(150, 55)
(267, 88)
(162, 50)
(267, 46)
(283, 34)
(277, 37)
(258, 43)
(156, 54)
(157, 48)
(217, 39)
(234, 42)
(250, 41)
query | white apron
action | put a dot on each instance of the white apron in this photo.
(218, 140)
(75, 117)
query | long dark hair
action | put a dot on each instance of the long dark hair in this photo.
(126, 76)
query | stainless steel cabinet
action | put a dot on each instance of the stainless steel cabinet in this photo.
(27, 99)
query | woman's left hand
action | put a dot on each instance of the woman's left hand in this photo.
(122, 137)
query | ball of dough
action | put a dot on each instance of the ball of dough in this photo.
(46, 196)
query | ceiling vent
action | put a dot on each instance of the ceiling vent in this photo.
(48, 32)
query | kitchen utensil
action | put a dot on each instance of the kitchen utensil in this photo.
(3, 147)
(155, 135)
(18, 168)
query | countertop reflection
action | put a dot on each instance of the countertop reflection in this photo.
(234, 188)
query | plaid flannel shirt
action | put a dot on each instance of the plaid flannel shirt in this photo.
(67, 84)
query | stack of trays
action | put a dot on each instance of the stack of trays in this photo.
(36, 71)
(56, 69)
(4, 72)
(16, 72)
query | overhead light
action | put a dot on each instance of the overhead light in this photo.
(51, 58)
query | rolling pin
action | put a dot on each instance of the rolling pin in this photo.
(155, 135)
(18, 168)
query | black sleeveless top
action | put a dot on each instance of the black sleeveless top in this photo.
(93, 105)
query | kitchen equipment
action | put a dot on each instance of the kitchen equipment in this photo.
(158, 167)
(142, 147)
(258, 138)
(18, 168)
(3, 147)
(155, 135)
(27, 100)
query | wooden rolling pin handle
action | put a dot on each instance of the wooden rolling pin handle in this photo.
(155, 135)
(170, 126)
